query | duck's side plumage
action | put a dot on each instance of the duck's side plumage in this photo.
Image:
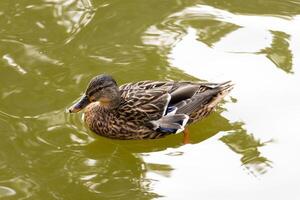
(153, 109)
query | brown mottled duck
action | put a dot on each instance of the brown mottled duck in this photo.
(147, 109)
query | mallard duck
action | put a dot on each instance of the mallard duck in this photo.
(146, 109)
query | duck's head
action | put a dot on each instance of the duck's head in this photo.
(103, 89)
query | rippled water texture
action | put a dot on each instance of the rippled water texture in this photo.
(247, 149)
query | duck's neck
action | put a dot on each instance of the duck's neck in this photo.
(112, 99)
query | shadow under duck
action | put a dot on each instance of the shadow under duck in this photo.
(146, 109)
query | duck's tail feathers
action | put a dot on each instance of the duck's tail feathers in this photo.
(223, 89)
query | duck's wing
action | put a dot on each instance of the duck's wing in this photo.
(148, 103)
(142, 85)
(144, 104)
(148, 99)
(204, 100)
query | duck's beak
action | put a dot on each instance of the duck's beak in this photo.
(81, 104)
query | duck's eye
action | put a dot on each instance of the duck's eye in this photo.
(92, 99)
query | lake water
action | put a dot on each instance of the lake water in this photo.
(247, 149)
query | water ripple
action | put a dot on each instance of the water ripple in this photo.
(20, 186)
(98, 174)
(74, 15)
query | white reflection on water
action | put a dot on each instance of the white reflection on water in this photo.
(13, 64)
(261, 55)
(6, 191)
(252, 34)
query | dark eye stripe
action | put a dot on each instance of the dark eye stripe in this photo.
(95, 89)
(90, 93)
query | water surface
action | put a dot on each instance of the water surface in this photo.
(246, 149)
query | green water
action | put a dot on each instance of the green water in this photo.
(247, 149)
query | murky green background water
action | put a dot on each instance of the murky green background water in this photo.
(247, 149)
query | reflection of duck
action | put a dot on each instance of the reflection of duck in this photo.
(147, 109)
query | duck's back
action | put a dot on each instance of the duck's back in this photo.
(194, 99)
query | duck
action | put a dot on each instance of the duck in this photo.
(147, 109)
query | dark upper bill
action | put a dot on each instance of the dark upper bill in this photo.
(81, 104)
